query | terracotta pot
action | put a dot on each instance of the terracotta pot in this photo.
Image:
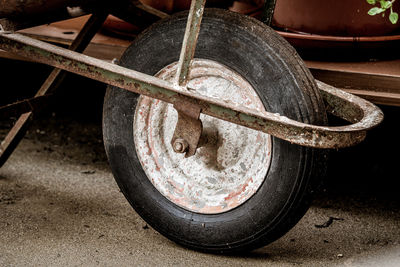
(332, 17)
(124, 29)
(120, 28)
(164, 5)
(337, 48)
(251, 8)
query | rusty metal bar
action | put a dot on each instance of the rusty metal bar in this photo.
(363, 114)
(190, 40)
(150, 10)
(55, 78)
(189, 127)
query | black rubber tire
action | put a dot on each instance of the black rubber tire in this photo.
(284, 85)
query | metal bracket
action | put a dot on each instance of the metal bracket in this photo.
(188, 129)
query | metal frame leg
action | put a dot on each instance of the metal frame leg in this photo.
(55, 78)
(190, 40)
(189, 127)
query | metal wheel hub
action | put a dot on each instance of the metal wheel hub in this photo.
(228, 169)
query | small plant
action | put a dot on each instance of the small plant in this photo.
(384, 6)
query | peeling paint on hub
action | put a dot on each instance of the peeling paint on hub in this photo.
(227, 170)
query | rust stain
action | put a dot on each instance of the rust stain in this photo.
(238, 192)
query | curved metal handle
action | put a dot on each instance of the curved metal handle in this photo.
(363, 114)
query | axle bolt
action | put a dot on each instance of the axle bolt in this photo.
(180, 145)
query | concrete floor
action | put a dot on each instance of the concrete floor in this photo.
(60, 206)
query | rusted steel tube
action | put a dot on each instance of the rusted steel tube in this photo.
(363, 114)
(190, 40)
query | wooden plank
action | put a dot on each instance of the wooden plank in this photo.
(67, 31)
(361, 81)
(63, 32)
(376, 81)
(382, 67)
(382, 98)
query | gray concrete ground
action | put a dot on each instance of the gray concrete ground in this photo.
(59, 206)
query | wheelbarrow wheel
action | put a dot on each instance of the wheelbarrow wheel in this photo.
(243, 188)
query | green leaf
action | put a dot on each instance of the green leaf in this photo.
(375, 10)
(371, 2)
(393, 17)
(386, 4)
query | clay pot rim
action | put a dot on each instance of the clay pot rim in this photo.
(316, 37)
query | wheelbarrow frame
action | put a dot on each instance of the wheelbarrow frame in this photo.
(362, 114)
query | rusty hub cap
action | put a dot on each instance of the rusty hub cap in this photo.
(228, 169)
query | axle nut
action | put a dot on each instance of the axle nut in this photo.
(180, 145)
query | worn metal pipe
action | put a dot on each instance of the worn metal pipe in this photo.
(363, 114)
(190, 40)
